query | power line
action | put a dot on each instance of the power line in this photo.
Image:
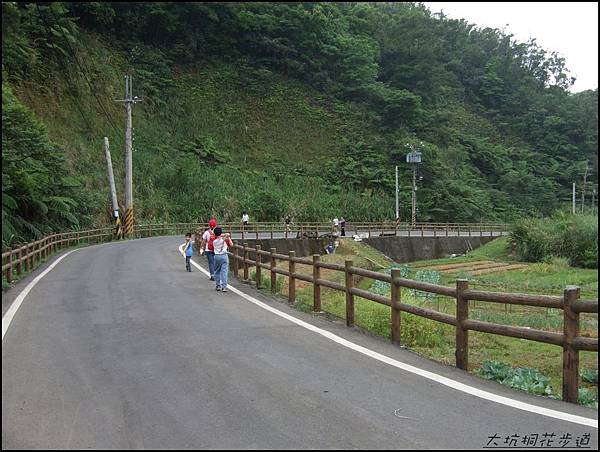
(83, 71)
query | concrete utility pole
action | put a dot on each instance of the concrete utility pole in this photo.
(111, 178)
(573, 198)
(584, 184)
(113, 190)
(129, 101)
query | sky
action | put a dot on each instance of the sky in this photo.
(571, 29)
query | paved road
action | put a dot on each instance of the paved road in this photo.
(119, 347)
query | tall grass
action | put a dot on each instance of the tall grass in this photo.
(574, 237)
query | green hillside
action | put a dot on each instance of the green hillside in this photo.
(280, 108)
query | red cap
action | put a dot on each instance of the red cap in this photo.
(212, 223)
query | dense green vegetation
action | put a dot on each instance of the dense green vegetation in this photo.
(572, 237)
(281, 107)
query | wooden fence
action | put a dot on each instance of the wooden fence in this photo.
(27, 256)
(570, 340)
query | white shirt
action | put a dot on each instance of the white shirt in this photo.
(220, 245)
(335, 222)
(245, 217)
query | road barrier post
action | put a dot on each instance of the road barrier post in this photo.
(292, 280)
(570, 383)
(316, 286)
(395, 299)
(462, 334)
(349, 295)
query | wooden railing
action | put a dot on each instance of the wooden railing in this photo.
(28, 256)
(570, 340)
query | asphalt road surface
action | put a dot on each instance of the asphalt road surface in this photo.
(119, 347)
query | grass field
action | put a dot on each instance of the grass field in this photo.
(435, 340)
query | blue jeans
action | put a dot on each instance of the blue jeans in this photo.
(221, 270)
(188, 266)
(210, 255)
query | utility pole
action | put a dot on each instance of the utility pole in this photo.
(573, 198)
(397, 211)
(129, 101)
(414, 158)
(113, 189)
(584, 184)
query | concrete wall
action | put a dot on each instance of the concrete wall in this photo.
(410, 249)
(399, 249)
(302, 247)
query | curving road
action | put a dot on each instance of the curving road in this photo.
(119, 347)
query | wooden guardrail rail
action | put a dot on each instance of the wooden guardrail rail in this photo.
(570, 340)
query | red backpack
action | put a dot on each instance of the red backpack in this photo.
(210, 246)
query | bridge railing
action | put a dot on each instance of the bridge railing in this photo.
(571, 305)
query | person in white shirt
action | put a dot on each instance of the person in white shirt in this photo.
(245, 218)
(221, 244)
(336, 223)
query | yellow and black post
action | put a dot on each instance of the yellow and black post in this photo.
(129, 221)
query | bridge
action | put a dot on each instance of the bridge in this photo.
(114, 345)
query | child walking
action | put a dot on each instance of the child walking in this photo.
(188, 250)
(221, 244)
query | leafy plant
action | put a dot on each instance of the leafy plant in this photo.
(589, 375)
(587, 398)
(523, 378)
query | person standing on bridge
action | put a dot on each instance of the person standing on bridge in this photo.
(206, 247)
(343, 226)
(245, 218)
(222, 243)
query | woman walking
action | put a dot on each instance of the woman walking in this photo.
(221, 244)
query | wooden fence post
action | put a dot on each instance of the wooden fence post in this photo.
(271, 231)
(273, 274)
(20, 262)
(27, 258)
(9, 269)
(292, 280)
(258, 269)
(246, 273)
(462, 334)
(236, 263)
(570, 383)
(256, 230)
(395, 299)
(349, 296)
(316, 286)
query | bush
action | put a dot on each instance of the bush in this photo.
(571, 237)
(590, 376)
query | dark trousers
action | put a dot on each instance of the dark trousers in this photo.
(344, 231)
(188, 265)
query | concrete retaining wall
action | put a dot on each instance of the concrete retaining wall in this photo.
(399, 249)
(410, 249)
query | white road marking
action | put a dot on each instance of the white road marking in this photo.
(415, 370)
(10, 314)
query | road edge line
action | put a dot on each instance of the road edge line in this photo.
(7, 318)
